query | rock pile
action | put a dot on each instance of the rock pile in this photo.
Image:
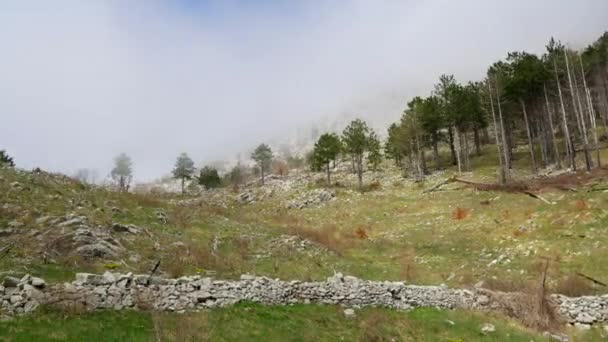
(20, 296)
(311, 198)
(583, 311)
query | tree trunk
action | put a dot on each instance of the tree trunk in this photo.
(262, 171)
(183, 186)
(465, 151)
(452, 148)
(506, 149)
(360, 170)
(477, 141)
(579, 117)
(590, 112)
(530, 142)
(457, 143)
(556, 155)
(570, 151)
(436, 150)
(502, 174)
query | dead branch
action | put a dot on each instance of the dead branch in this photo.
(595, 281)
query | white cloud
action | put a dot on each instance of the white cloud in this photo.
(81, 81)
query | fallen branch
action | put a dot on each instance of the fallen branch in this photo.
(512, 187)
(154, 269)
(595, 281)
(439, 185)
(539, 197)
(6, 249)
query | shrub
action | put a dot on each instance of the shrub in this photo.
(280, 167)
(459, 213)
(361, 233)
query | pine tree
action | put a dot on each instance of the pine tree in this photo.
(122, 173)
(6, 160)
(374, 155)
(356, 141)
(262, 155)
(326, 150)
(183, 170)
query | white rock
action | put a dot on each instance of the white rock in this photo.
(349, 313)
(38, 282)
(487, 328)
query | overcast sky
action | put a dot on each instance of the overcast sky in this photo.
(81, 81)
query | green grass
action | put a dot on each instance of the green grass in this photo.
(252, 322)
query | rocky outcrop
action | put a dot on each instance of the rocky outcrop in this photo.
(311, 198)
(88, 242)
(119, 291)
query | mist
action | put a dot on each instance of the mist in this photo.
(81, 81)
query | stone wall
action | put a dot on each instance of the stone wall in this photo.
(119, 291)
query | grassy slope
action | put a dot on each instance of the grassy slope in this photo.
(409, 236)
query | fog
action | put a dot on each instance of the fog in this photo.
(81, 81)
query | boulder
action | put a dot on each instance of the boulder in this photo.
(10, 281)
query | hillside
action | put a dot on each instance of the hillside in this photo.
(463, 235)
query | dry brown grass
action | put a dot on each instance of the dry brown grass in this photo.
(328, 236)
(373, 186)
(147, 199)
(574, 286)
(182, 215)
(184, 257)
